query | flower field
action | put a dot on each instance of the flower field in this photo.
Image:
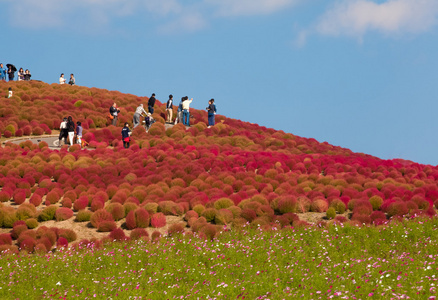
(220, 212)
(397, 261)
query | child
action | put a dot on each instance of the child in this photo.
(149, 121)
(126, 132)
(79, 133)
(10, 93)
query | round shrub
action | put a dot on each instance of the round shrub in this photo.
(19, 197)
(156, 235)
(35, 199)
(80, 203)
(199, 208)
(303, 204)
(223, 217)
(338, 205)
(47, 213)
(68, 234)
(175, 229)
(32, 223)
(363, 207)
(116, 210)
(376, 202)
(100, 216)
(248, 214)
(191, 214)
(37, 131)
(151, 207)
(53, 197)
(17, 230)
(106, 226)
(83, 216)
(158, 220)
(28, 245)
(377, 215)
(63, 213)
(142, 217)
(331, 213)
(4, 197)
(286, 204)
(5, 239)
(209, 214)
(223, 203)
(397, 208)
(118, 235)
(319, 205)
(139, 233)
(130, 220)
(62, 243)
(208, 231)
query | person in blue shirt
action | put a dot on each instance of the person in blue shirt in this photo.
(211, 112)
(2, 73)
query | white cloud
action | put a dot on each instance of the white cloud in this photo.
(186, 22)
(249, 7)
(357, 17)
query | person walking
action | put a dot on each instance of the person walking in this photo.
(70, 129)
(11, 73)
(186, 110)
(27, 75)
(2, 72)
(62, 79)
(10, 92)
(211, 108)
(79, 133)
(63, 131)
(169, 108)
(138, 112)
(72, 80)
(126, 132)
(151, 103)
(114, 112)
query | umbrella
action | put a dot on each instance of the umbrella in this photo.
(14, 69)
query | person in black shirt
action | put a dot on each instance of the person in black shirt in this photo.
(151, 104)
(114, 112)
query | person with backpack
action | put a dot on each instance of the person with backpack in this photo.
(211, 108)
(70, 129)
(63, 131)
(179, 112)
(126, 133)
(169, 108)
(79, 133)
(114, 112)
(138, 112)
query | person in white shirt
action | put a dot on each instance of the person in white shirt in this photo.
(138, 112)
(62, 79)
(186, 108)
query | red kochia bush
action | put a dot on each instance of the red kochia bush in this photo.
(99, 216)
(35, 199)
(287, 204)
(5, 239)
(139, 233)
(62, 242)
(63, 213)
(80, 203)
(118, 235)
(19, 197)
(158, 220)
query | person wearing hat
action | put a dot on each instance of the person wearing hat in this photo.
(138, 112)
(169, 108)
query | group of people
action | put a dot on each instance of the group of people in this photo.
(9, 73)
(67, 130)
(62, 79)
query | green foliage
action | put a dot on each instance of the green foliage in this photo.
(83, 216)
(331, 213)
(48, 213)
(376, 202)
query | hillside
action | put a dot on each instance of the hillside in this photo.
(198, 179)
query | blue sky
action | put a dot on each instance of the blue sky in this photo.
(360, 74)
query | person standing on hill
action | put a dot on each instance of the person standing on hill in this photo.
(79, 133)
(70, 129)
(126, 132)
(169, 108)
(138, 112)
(11, 73)
(151, 103)
(63, 131)
(211, 112)
(27, 75)
(186, 110)
(2, 73)
(10, 92)
(20, 74)
(72, 80)
(114, 112)
(62, 79)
